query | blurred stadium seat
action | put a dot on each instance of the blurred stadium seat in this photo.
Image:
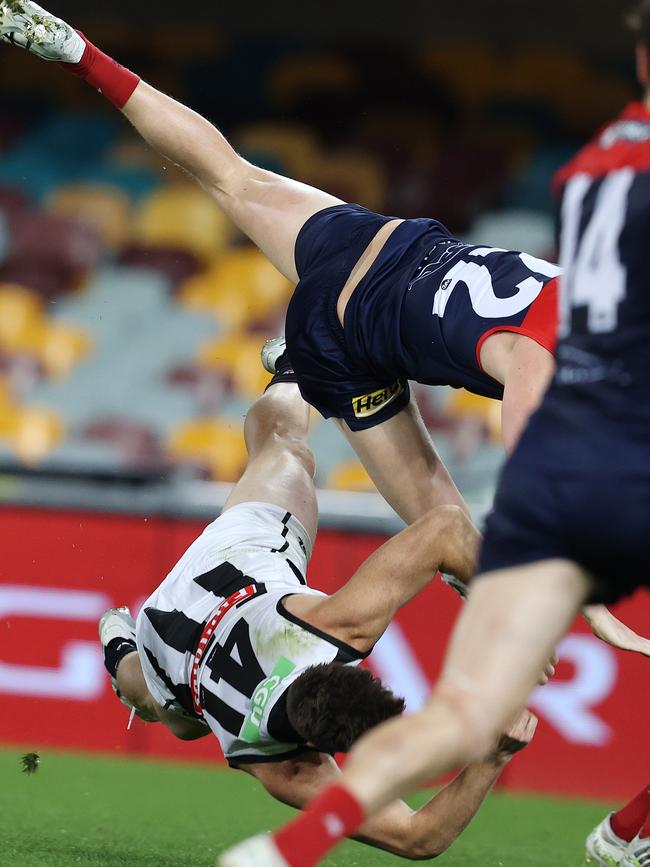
(182, 218)
(350, 476)
(295, 148)
(215, 445)
(107, 209)
(240, 289)
(238, 359)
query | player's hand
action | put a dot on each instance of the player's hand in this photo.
(26, 25)
(610, 630)
(549, 670)
(517, 737)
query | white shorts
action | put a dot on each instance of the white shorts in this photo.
(251, 543)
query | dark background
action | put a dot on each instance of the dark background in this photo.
(592, 26)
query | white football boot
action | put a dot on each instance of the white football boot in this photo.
(604, 847)
(271, 351)
(637, 853)
(257, 852)
(26, 25)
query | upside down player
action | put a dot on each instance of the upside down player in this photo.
(276, 676)
(379, 301)
(571, 520)
(472, 317)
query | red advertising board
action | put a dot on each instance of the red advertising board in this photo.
(60, 570)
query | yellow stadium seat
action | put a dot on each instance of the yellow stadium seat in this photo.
(298, 77)
(464, 404)
(237, 357)
(350, 476)
(183, 217)
(31, 432)
(62, 348)
(105, 208)
(21, 315)
(473, 71)
(353, 177)
(239, 288)
(297, 147)
(218, 445)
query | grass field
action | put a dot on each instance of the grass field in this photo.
(83, 810)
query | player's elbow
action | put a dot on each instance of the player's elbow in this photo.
(416, 847)
(452, 531)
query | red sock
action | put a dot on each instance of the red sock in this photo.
(644, 833)
(104, 74)
(627, 821)
(332, 816)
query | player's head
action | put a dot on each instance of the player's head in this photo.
(638, 21)
(331, 705)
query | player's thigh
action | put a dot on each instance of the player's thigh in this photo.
(271, 210)
(281, 474)
(506, 633)
(404, 465)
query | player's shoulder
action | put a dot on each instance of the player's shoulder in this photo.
(622, 143)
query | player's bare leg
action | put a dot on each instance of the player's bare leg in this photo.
(509, 628)
(281, 466)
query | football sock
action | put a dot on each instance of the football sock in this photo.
(627, 821)
(331, 816)
(115, 651)
(104, 74)
(644, 833)
(284, 371)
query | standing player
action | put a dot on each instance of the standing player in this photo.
(235, 643)
(571, 521)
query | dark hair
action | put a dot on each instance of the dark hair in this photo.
(638, 20)
(331, 705)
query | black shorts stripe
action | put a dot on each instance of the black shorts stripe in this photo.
(285, 533)
(296, 571)
(176, 629)
(180, 691)
(223, 580)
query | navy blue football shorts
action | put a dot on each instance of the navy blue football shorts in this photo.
(330, 379)
(572, 491)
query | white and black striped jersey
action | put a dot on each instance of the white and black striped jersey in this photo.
(258, 648)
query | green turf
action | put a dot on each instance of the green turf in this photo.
(84, 810)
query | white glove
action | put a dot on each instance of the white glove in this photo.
(26, 25)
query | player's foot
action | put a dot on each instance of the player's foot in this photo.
(604, 847)
(25, 24)
(272, 351)
(116, 623)
(256, 852)
(637, 853)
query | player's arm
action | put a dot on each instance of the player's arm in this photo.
(443, 540)
(413, 834)
(134, 693)
(609, 629)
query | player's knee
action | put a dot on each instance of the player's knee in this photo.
(297, 449)
(475, 733)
